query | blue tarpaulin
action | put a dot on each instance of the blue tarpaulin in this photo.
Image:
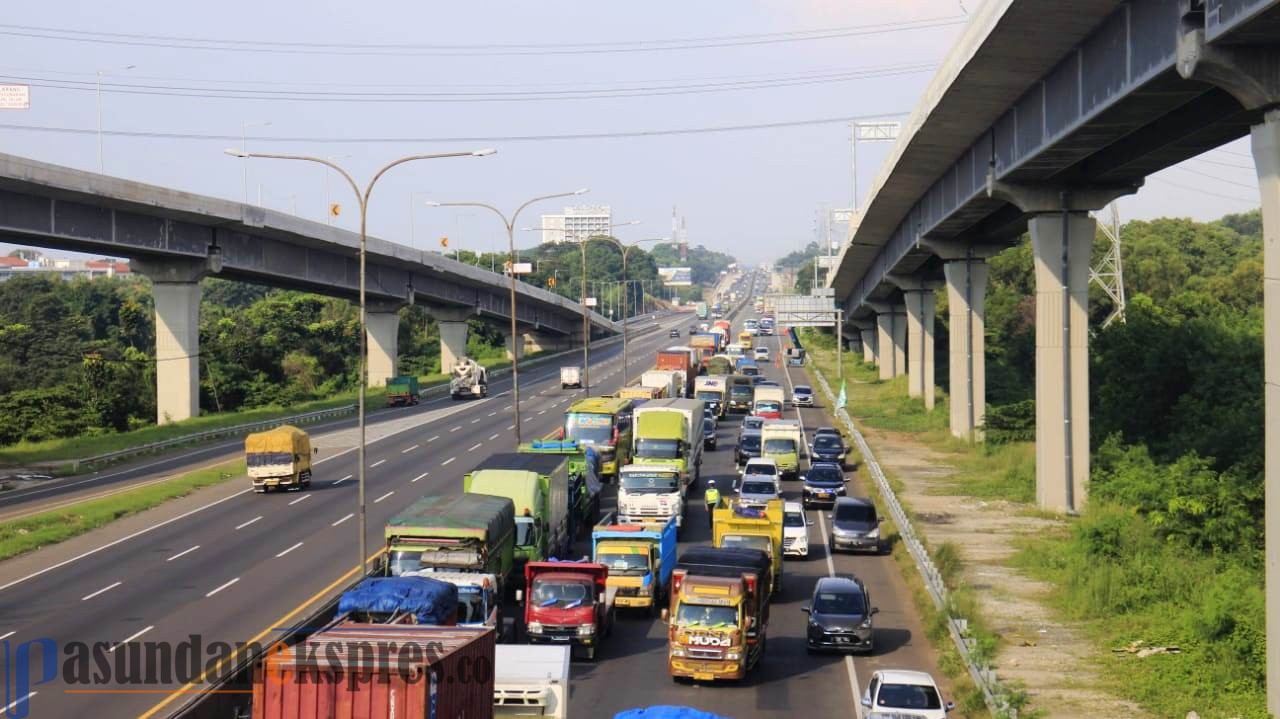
(430, 601)
(667, 712)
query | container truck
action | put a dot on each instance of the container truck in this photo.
(736, 526)
(721, 336)
(714, 391)
(705, 343)
(640, 557)
(540, 489)
(604, 424)
(402, 391)
(414, 673)
(651, 492)
(767, 402)
(669, 431)
(684, 362)
(584, 479)
(531, 681)
(279, 457)
(567, 603)
(470, 379)
(669, 381)
(781, 440)
(718, 621)
(453, 533)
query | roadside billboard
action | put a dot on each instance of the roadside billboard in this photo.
(676, 276)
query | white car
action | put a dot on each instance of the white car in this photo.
(905, 692)
(795, 531)
(761, 354)
(760, 465)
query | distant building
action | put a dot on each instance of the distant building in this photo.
(577, 223)
(68, 269)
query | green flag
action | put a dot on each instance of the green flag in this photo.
(840, 401)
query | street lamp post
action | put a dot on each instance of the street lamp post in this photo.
(362, 200)
(244, 154)
(510, 224)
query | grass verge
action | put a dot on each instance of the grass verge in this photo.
(41, 530)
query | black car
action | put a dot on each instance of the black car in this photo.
(828, 448)
(824, 483)
(675, 332)
(840, 616)
(854, 525)
(748, 446)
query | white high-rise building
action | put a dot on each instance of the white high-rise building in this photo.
(577, 223)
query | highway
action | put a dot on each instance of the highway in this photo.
(789, 682)
(233, 570)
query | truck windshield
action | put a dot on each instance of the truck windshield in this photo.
(471, 608)
(780, 446)
(650, 482)
(747, 541)
(768, 406)
(658, 448)
(264, 459)
(590, 428)
(709, 396)
(702, 615)
(402, 562)
(557, 593)
(624, 564)
(524, 531)
(739, 391)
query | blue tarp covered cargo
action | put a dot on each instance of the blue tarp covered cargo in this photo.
(667, 712)
(430, 601)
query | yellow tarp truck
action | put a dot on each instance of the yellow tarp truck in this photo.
(279, 457)
(735, 526)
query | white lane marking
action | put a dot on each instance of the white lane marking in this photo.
(379, 499)
(542, 411)
(107, 588)
(420, 476)
(475, 446)
(506, 408)
(251, 521)
(476, 420)
(340, 481)
(233, 581)
(6, 636)
(434, 438)
(831, 567)
(510, 427)
(340, 521)
(406, 451)
(130, 638)
(290, 549)
(455, 429)
(491, 414)
(493, 436)
(528, 419)
(183, 552)
(303, 498)
(20, 701)
(375, 464)
(447, 461)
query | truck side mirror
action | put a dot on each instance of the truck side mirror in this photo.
(666, 615)
(805, 609)
(519, 596)
(875, 610)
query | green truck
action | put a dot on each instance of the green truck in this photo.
(402, 391)
(453, 533)
(669, 432)
(586, 476)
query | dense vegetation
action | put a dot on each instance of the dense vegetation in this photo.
(78, 357)
(1169, 548)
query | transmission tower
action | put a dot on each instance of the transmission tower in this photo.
(1109, 274)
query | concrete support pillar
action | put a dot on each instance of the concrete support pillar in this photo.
(966, 302)
(175, 287)
(891, 339)
(921, 306)
(1266, 157)
(453, 343)
(384, 342)
(1062, 244)
(514, 345)
(869, 345)
(884, 344)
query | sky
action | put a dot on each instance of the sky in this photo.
(426, 75)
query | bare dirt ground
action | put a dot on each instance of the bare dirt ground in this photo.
(1050, 659)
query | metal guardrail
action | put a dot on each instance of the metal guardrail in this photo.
(303, 418)
(984, 676)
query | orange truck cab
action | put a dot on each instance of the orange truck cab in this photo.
(718, 620)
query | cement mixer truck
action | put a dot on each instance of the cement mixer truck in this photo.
(470, 379)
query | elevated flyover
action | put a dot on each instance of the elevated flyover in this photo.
(175, 238)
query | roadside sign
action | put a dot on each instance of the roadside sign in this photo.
(878, 131)
(15, 97)
(524, 268)
(590, 302)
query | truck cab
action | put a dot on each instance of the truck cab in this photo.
(781, 441)
(649, 492)
(603, 423)
(640, 557)
(478, 602)
(669, 432)
(768, 401)
(714, 391)
(718, 619)
(279, 458)
(567, 603)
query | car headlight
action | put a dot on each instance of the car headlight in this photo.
(874, 534)
(841, 532)
(733, 656)
(866, 623)
(535, 627)
(841, 490)
(586, 630)
(677, 651)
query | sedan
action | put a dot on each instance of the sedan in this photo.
(840, 616)
(675, 332)
(828, 448)
(914, 693)
(824, 484)
(748, 446)
(802, 396)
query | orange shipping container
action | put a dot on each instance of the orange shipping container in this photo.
(378, 670)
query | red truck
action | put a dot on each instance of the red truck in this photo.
(567, 603)
(678, 360)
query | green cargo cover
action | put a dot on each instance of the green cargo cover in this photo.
(461, 516)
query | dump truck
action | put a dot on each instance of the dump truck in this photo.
(768, 401)
(736, 526)
(781, 440)
(402, 391)
(567, 603)
(470, 379)
(648, 492)
(604, 424)
(714, 391)
(531, 681)
(543, 490)
(681, 360)
(279, 457)
(453, 533)
(718, 621)
(719, 365)
(669, 431)
(640, 556)
(584, 479)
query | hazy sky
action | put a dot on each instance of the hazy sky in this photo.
(753, 193)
